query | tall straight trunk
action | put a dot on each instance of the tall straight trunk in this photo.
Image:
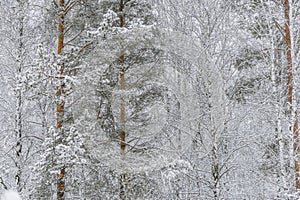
(60, 107)
(19, 133)
(278, 128)
(122, 84)
(123, 189)
(215, 170)
(18, 115)
(293, 110)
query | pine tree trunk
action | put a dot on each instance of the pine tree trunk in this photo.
(60, 107)
(123, 192)
(122, 85)
(293, 110)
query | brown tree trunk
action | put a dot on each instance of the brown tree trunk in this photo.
(122, 114)
(122, 85)
(61, 185)
(60, 107)
(60, 92)
(293, 111)
(123, 188)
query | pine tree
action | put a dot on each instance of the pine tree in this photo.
(64, 147)
(291, 91)
(127, 30)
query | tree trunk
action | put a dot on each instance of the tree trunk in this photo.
(18, 115)
(123, 192)
(293, 108)
(278, 128)
(60, 107)
(215, 171)
(122, 85)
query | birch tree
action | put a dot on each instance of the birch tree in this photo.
(16, 83)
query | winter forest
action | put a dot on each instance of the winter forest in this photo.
(150, 99)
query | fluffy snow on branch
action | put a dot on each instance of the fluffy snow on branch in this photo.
(10, 195)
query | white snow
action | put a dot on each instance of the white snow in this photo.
(10, 195)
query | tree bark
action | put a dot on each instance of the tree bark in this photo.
(293, 110)
(123, 189)
(122, 85)
(60, 107)
(278, 128)
(19, 98)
